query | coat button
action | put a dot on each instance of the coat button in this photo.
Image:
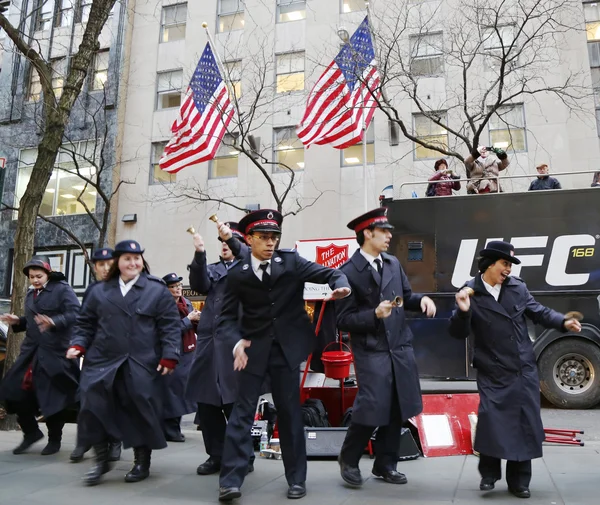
(274, 319)
(272, 304)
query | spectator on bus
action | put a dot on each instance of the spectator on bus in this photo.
(443, 173)
(544, 181)
(596, 180)
(483, 169)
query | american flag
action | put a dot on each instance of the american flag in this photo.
(343, 95)
(203, 118)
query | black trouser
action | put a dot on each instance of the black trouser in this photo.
(238, 438)
(171, 427)
(26, 414)
(518, 473)
(387, 442)
(213, 423)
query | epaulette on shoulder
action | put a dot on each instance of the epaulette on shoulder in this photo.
(156, 279)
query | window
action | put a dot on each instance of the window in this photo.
(426, 55)
(290, 72)
(428, 131)
(225, 163)
(173, 23)
(100, 73)
(353, 5)
(64, 15)
(231, 15)
(290, 10)
(59, 70)
(169, 89)
(45, 14)
(287, 149)
(591, 13)
(496, 38)
(233, 77)
(66, 193)
(158, 176)
(353, 155)
(84, 10)
(507, 128)
(34, 92)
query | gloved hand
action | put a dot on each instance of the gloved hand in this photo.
(498, 152)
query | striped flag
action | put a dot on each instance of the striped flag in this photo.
(343, 96)
(203, 118)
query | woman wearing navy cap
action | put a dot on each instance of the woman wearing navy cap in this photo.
(174, 401)
(494, 307)
(42, 380)
(129, 330)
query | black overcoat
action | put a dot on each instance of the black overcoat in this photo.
(276, 312)
(383, 351)
(124, 339)
(55, 378)
(175, 403)
(509, 424)
(212, 379)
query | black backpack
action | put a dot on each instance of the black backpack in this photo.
(314, 414)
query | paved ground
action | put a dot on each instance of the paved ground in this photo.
(566, 475)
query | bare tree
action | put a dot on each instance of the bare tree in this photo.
(494, 54)
(56, 112)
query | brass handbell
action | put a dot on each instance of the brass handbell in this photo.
(398, 301)
(214, 218)
(578, 316)
(191, 230)
(470, 291)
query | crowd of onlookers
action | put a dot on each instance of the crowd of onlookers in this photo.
(483, 167)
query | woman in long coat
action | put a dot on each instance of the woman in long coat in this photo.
(175, 404)
(494, 307)
(42, 379)
(129, 330)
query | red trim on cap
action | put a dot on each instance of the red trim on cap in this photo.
(369, 222)
(47, 266)
(260, 223)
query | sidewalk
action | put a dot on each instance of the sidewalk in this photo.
(566, 475)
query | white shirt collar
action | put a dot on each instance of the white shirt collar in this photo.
(370, 258)
(256, 263)
(492, 290)
(126, 287)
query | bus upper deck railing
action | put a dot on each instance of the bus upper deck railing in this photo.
(498, 178)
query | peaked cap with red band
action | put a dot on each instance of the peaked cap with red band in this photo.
(376, 217)
(261, 220)
(42, 262)
(235, 231)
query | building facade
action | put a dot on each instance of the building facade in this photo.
(55, 27)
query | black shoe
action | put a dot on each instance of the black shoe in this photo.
(229, 493)
(487, 483)
(209, 467)
(350, 474)
(114, 451)
(520, 492)
(52, 447)
(77, 454)
(391, 476)
(176, 438)
(296, 491)
(28, 441)
(250, 467)
(141, 465)
(101, 466)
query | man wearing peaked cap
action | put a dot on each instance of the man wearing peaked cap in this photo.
(494, 307)
(389, 391)
(276, 337)
(212, 382)
(103, 260)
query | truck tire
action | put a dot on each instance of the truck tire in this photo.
(570, 373)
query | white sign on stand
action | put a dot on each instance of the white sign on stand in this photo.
(329, 252)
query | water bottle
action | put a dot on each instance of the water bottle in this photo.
(264, 441)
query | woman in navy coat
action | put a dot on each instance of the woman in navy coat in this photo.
(130, 332)
(175, 404)
(42, 379)
(494, 307)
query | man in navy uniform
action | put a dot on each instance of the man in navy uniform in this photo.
(388, 380)
(275, 336)
(212, 382)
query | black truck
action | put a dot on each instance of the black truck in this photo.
(556, 235)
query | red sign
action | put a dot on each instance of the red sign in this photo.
(332, 256)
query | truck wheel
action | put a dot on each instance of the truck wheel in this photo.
(570, 373)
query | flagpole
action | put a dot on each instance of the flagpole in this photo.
(215, 52)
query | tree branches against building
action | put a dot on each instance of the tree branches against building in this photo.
(450, 70)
